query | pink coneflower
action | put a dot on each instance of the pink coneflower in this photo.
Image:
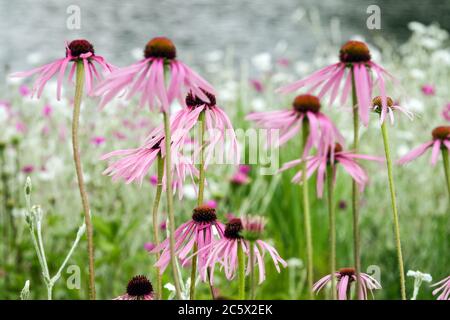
(443, 289)
(428, 90)
(446, 112)
(136, 163)
(245, 169)
(146, 78)
(139, 288)
(47, 111)
(149, 246)
(388, 108)
(239, 179)
(335, 155)
(217, 125)
(355, 57)
(77, 50)
(441, 141)
(24, 91)
(225, 252)
(199, 231)
(304, 108)
(211, 204)
(257, 85)
(345, 277)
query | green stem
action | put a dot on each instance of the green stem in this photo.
(252, 271)
(241, 270)
(76, 157)
(394, 210)
(355, 193)
(193, 272)
(156, 224)
(332, 226)
(306, 213)
(446, 168)
(169, 196)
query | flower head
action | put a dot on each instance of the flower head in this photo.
(305, 108)
(428, 90)
(147, 78)
(253, 227)
(443, 289)
(334, 156)
(388, 107)
(355, 66)
(345, 277)
(138, 288)
(225, 252)
(76, 51)
(199, 231)
(440, 141)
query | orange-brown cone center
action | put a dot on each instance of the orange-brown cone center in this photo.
(160, 47)
(441, 133)
(306, 102)
(354, 51)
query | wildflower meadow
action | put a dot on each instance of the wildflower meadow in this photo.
(274, 176)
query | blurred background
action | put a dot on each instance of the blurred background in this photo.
(246, 49)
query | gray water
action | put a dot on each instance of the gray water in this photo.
(196, 26)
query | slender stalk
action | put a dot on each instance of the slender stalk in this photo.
(446, 168)
(201, 189)
(355, 193)
(156, 224)
(394, 210)
(306, 213)
(252, 271)
(332, 226)
(169, 196)
(241, 270)
(78, 167)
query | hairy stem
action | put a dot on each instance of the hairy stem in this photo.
(332, 226)
(446, 168)
(355, 193)
(252, 271)
(76, 157)
(306, 213)
(394, 210)
(241, 270)
(155, 222)
(169, 197)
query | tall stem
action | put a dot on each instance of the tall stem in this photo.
(355, 193)
(156, 224)
(306, 213)
(201, 189)
(76, 157)
(394, 210)
(169, 196)
(446, 168)
(241, 270)
(332, 226)
(252, 271)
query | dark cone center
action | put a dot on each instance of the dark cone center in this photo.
(160, 47)
(204, 214)
(233, 229)
(441, 133)
(139, 286)
(193, 101)
(354, 51)
(306, 102)
(80, 46)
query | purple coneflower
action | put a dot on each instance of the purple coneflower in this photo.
(443, 289)
(198, 232)
(388, 109)
(76, 51)
(147, 78)
(335, 155)
(230, 252)
(345, 277)
(355, 57)
(138, 288)
(428, 90)
(305, 109)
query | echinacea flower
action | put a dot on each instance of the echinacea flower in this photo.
(443, 289)
(305, 108)
(428, 90)
(147, 78)
(136, 163)
(441, 141)
(199, 231)
(225, 252)
(334, 156)
(345, 277)
(388, 108)
(217, 125)
(76, 51)
(354, 58)
(138, 288)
